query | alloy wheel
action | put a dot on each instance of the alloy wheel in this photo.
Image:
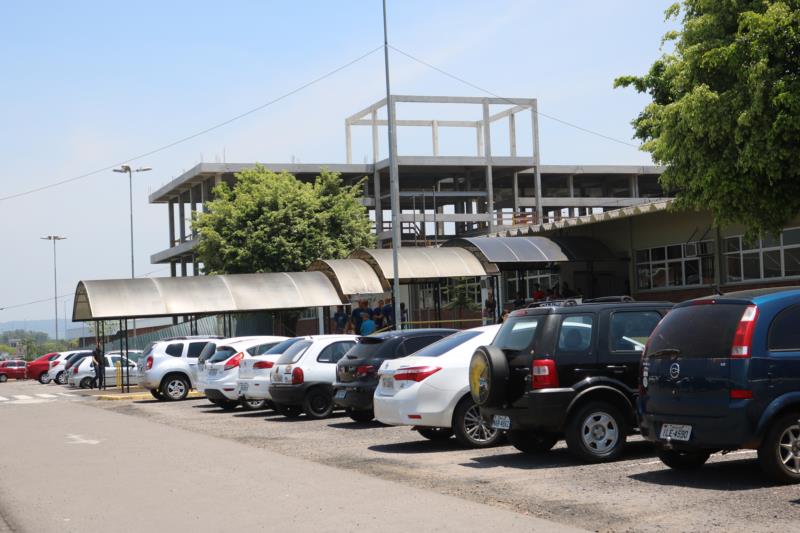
(789, 449)
(176, 388)
(476, 427)
(599, 433)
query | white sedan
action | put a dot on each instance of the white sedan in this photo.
(429, 390)
(255, 373)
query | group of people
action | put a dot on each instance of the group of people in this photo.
(557, 292)
(364, 319)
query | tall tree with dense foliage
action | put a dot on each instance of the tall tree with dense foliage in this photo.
(725, 111)
(273, 222)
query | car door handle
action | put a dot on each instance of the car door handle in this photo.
(616, 368)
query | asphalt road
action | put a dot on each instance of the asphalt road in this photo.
(68, 466)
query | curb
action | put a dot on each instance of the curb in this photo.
(140, 396)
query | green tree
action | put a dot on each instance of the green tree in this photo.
(273, 222)
(460, 300)
(725, 111)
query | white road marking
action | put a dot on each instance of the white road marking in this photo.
(78, 439)
(658, 461)
(23, 397)
(3, 399)
(47, 396)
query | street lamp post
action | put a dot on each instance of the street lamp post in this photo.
(55, 238)
(126, 169)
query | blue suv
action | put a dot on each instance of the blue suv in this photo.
(721, 373)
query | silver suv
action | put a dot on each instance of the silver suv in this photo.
(168, 368)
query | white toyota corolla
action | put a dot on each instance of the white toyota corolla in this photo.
(429, 390)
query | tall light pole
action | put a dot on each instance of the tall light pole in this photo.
(126, 169)
(55, 238)
(394, 187)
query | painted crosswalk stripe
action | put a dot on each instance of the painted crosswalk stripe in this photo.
(47, 396)
(23, 397)
(3, 399)
(68, 395)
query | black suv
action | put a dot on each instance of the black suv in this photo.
(570, 372)
(722, 373)
(357, 371)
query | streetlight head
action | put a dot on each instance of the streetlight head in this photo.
(123, 168)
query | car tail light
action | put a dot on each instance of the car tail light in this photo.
(364, 370)
(297, 376)
(74, 370)
(415, 373)
(148, 364)
(233, 362)
(741, 394)
(743, 338)
(263, 364)
(544, 374)
(53, 364)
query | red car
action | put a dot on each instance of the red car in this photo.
(13, 369)
(37, 369)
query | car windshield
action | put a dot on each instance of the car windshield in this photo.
(518, 332)
(294, 353)
(447, 344)
(282, 346)
(221, 354)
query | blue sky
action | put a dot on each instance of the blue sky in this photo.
(88, 83)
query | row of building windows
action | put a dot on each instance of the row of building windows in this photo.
(675, 265)
(766, 258)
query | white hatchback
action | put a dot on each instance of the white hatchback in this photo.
(255, 373)
(82, 373)
(218, 366)
(429, 390)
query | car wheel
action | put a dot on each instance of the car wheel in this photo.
(318, 403)
(532, 441)
(438, 434)
(596, 432)
(488, 376)
(253, 405)
(86, 383)
(361, 415)
(779, 453)
(229, 405)
(157, 395)
(679, 460)
(289, 411)
(469, 427)
(44, 379)
(61, 378)
(3, 378)
(175, 388)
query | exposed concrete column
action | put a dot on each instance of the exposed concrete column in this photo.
(171, 223)
(536, 160)
(515, 191)
(635, 185)
(182, 219)
(348, 141)
(376, 175)
(173, 270)
(573, 211)
(512, 135)
(487, 134)
(183, 266)
(435, 135)
(479, 138)
(193, 207)
(394, 177)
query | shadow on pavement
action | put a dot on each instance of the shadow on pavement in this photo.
(304, 418)
(372, 424)
(264, 413)
(418, 446)
(741, 474)
(557, 458)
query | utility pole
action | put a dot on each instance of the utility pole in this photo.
(55, 238)
(394, 187)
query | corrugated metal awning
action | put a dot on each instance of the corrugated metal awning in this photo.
(195, 295)
(350, 276)
(423, 263)
(534, 249)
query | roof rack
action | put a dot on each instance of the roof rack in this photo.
(609, 299)
(566, 302)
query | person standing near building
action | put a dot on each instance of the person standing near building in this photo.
(356, 315)
(538, 293)
(339, 320)
(367, 324)
(388, 313)
(489, 308)
(403, 316)
(99, 366)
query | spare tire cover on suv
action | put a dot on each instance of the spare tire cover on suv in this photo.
(488, 376)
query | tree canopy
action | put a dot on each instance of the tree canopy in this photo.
(273, 222)
(725, 111)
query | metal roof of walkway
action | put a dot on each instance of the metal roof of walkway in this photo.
(515, 252)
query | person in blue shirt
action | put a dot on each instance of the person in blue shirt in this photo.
(356, 315)
(388, 313)
(339, 320)
(367, 324)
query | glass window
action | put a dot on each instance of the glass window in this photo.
(222, 354)
(772, 263)
(679, 330)
(175, 350)
(643, 256)
(195, 348)
(675, 251)
(732, 244)
(630, 329)
(784, 333)
(733, 267)
(658, 275)
(334, 352)
(282, 346)
(769, 241)
(417, 343)
(517, 333)
(658, 254)
(208, 351)
(294, 352)
(575, 334)
(791, 236)
(447, 344)
(791, 261)
(643, 276)
(708, 270)
(692, 272)
(751, 265)
(675, 274)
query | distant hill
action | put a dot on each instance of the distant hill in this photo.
(45, 326)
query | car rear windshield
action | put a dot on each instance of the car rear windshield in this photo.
(294, 353)
(518, 332)
(222, 353)
(697, 331)
(446, 344)
(282, 346)
(207, 353)
(369, 347)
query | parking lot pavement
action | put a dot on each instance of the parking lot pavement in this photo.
(637, 493)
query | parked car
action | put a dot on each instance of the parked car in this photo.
(303, 377)
(82, 373)
(430, 391)
(357, 371)
(37, 369)
(74, 359)
(218, 368)
(722, 373)
(58, 364)
(14, 369)
(168, 368)
(566, 372)
(255, 375)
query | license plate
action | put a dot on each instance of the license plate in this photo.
(243, 387)
(212, 371)
(675, 432)
(387, 383)
(501, 422)
(340, 394)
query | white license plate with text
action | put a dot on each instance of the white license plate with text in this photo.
(675, 432)
(501, 422)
